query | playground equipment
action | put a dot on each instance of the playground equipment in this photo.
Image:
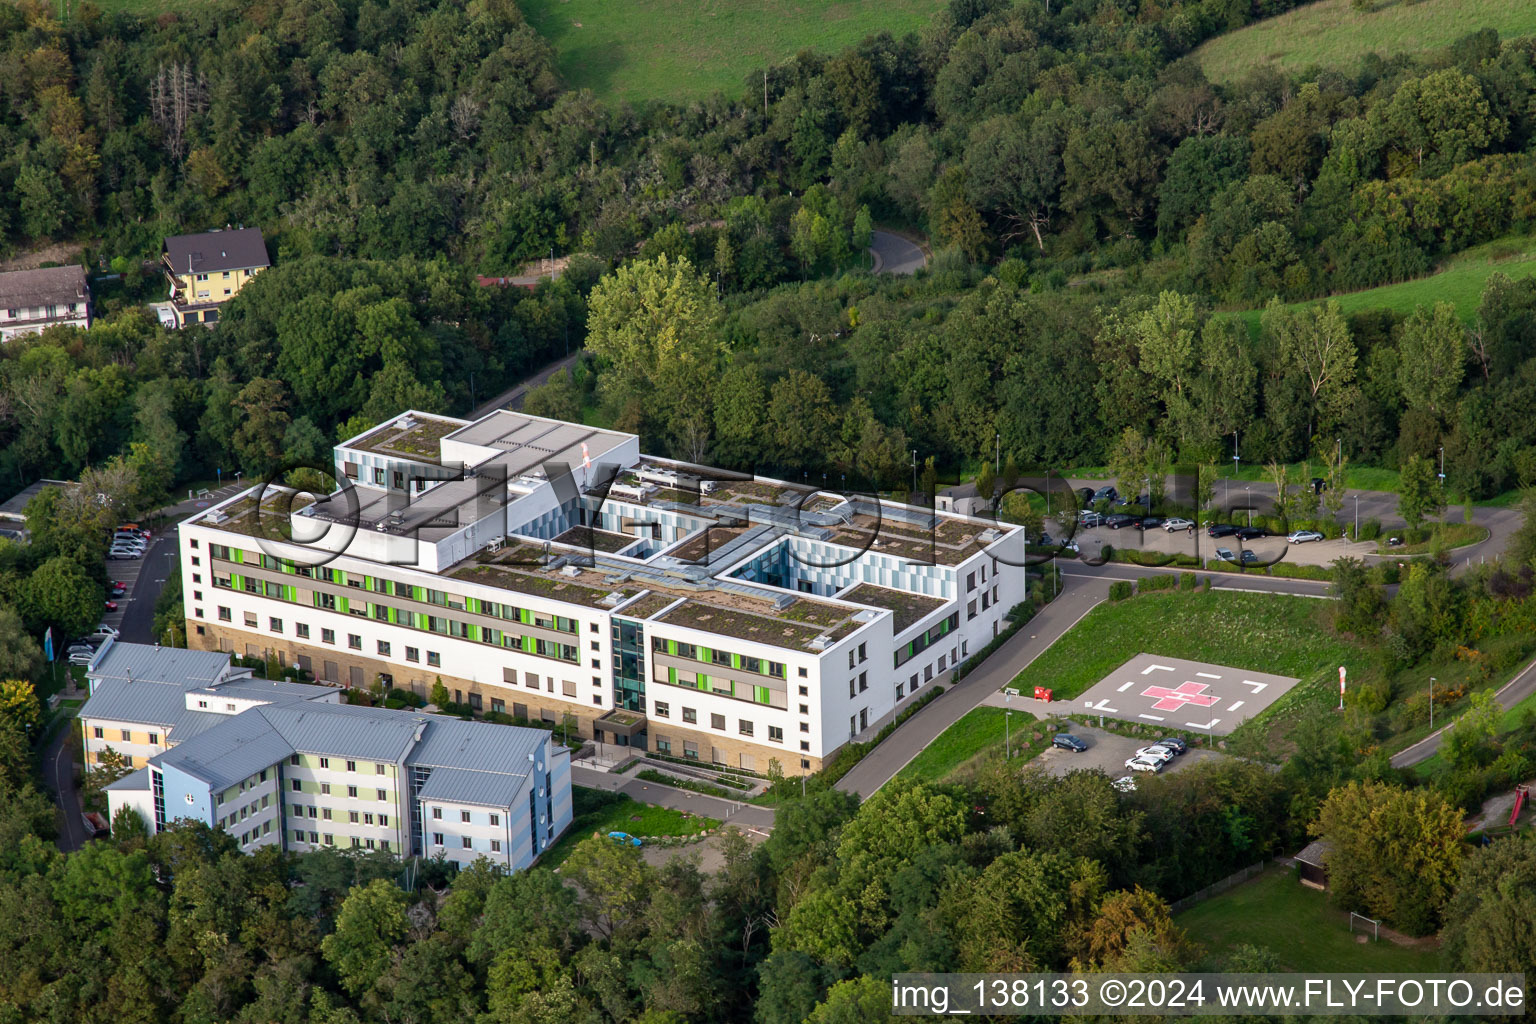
(1521, 792)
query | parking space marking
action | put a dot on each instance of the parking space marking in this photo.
(1234, 705)
(1203, 725)
(1155, 718)
(1156, 668)
(1258, 688)
(1127, 686)
(1207, 675)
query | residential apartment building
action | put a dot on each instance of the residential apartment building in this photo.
(305, 774)
(551, 571)
(31, 300)
(145, 699)
(207, 270)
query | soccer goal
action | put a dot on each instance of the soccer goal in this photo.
(1367, 924)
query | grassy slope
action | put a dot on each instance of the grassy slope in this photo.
(979, 734)
(1298, 925)
(1266, 632)
(676, 50)
(1460, 282)
(1331, 32)
(597, 810)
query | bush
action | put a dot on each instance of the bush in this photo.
(1370, 529)
(1187, 581)
(1162, 581)
(1120, 590)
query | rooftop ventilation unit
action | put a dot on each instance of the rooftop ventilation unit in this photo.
(612, 599)
(821, 643)
(988, 536)
(570, 571)
(217, 516)
(406, 422)
(783, 601)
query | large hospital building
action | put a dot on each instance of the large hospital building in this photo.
(551, 571)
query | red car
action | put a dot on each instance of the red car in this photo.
(111, 606)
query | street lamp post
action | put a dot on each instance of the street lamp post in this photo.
(1431, 703)
(1234, 453)
(1442, 466)
(1357, 517)
(914, 470)
(1249, 502)
(1008, 735)
(997, 457)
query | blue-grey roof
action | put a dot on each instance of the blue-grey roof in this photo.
(237, 748)
(344, 730)
(457, 786)
(471, 762)
(267, 689)
(148, 703)
(136, 781)
(152, 663)
(477, 762)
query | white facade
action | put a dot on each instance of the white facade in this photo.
(422, 588)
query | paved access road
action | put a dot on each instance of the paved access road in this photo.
(895, 254)
(59, 774)
(1510, 694)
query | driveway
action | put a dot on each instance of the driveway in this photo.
(146, 579)
(512, 398)
(59, 774)
(1108, 753)
(895, 254)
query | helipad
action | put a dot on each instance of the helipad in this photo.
(1184, 696)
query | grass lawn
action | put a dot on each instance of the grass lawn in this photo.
(1332, 32)
(597, 810)
(978, 735)
(1451, 535)
(1511, 720)
(1459, 280)
(674, 50)
(1298, 925)
(1289, 636)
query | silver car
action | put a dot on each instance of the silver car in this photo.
(1303, 536)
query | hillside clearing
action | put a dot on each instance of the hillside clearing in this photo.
(1332, 32)
(640, 50)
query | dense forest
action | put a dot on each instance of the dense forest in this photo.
(1095, 206)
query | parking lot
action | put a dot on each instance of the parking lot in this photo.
(1108, 753)
(1196, 543)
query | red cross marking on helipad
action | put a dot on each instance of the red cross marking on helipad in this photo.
(1184, 693)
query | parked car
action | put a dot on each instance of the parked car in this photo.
(1248, 532)
(1156, 753)
(1118, 522)
(81, 658)
(135, 527)
(79, 649)
(117, 589)
(1085, 496)
(1178, 523)
(103, 631)
(122, 545)
(123, 554)
(1226, 555)
(1148, 522)
(1066, 741)
(1125, 784)
(1173, 743)
(1139, 501)
(1393, 542)
(1107, 493)
(1090, 519)
(111, 606)
(1303, 536)
(1319, 485)
(1220, 530)
(625, 839)
(1144, 764)
(1249, 558)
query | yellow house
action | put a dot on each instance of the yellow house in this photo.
(209, 269)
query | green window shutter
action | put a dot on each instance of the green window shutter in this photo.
(236, 555)
(525, 616)
(760, 694)
(703, 681)
(735, 660)
(472, 604)
(236, 581)
(471, 632)
(421, 620)
(705, 654)
(394, 615)
(672, 675)
(415, 593)
(290, 593)
(343, 604)
(528, 643)
(671, 646)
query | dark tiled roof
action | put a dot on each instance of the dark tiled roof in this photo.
(213, 251)
(50, 285)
